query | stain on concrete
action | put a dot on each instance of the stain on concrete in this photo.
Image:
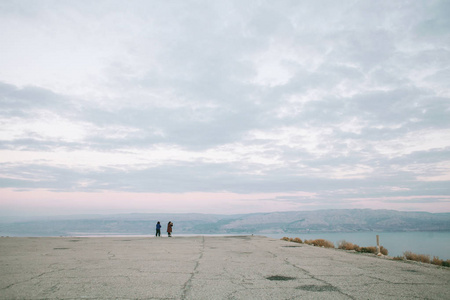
(280, 278)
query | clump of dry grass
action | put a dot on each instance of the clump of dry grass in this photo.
(417, 257)
(437, 261)
(320, 243)
(423, 258)
(297, 240)
(347, 245)
(350, 246)
(370, 249)
(426, 259)
(342, 245)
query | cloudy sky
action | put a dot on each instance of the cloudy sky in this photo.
(224, 106)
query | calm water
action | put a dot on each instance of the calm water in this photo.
(431, 243)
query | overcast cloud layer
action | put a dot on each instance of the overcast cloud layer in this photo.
(224, 106)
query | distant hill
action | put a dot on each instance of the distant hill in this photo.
(345, 220)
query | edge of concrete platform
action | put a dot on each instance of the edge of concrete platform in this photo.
(187, 236)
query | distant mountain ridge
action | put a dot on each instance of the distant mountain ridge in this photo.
(343, 220)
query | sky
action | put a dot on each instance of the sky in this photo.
(223, 107)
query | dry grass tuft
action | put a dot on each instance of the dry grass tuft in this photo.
(370, 249)
(297, 240)
(350, 246)
(417, 257)
(440, 262)
(342, 245)
(424, 258)
(320, 243)
(373, 249)
(347, 245)
(437, 261)
(398, 258)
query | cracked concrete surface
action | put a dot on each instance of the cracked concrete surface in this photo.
(241, 267)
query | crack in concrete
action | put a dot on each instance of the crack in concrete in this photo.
(187, 284)
(32, 278)
(52, 289)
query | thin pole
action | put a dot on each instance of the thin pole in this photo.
(378, 245)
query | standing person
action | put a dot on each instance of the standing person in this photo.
(158, 229)
(169, 229)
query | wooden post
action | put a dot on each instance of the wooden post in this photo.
(378, 245)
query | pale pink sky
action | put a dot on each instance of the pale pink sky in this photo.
(42, 202)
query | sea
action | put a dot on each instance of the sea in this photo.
(433, 243)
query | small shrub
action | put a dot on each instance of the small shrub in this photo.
(437, 261)
(424, 258)
(344, 245)
(370, 249)
(397, 258)
(322, 243)
(347, 246)
(417, 257)
(440, 262)
(297, 240)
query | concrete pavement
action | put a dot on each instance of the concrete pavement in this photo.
(232, 267)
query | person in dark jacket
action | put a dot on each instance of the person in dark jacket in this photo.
(158, 229)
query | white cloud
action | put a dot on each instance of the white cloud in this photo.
(356, 171)
(415, 141)
(313, 140)
(44, 126)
